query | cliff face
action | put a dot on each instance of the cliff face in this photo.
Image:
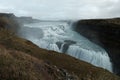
(106, 33)
(20, 59)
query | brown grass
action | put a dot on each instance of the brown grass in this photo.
(15, 65)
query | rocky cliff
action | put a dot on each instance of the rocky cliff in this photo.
(20, 59)
(106, 33)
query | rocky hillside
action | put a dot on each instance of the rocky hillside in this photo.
(106, 33)
(20, 59)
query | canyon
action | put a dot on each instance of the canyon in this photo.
(21, 59)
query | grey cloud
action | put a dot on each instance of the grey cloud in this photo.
(62, 9)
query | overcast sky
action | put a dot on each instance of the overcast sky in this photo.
(62, 9)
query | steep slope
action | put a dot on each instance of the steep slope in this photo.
(106, 33)
(20, 59)
(16, 65)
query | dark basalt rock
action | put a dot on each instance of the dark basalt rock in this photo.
(70, 42)
(65, 44)
(106, 33)
(59, 44)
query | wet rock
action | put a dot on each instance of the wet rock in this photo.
(65, 45)
(59, 44)
(70, 42)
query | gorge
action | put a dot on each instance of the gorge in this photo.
(20, 59)
(60, 36)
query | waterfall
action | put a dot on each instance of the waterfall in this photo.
(53, 47)
(60, 37)
(62, 47)
(100, 59)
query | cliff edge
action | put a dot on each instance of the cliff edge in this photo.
(106, 33)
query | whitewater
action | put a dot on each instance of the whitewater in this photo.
(60, 36)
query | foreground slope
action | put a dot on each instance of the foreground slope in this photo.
(20, 59)
(16, 65)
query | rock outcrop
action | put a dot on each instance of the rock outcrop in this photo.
(106, 33)
(8, 21)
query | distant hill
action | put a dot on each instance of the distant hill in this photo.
(27, 20)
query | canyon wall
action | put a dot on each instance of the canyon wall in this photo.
(106, 33)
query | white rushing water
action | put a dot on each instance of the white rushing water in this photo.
(60, 37)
